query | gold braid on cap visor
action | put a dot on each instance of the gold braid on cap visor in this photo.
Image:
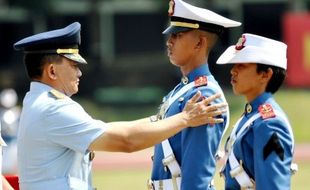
(184, 24)
(67, 51)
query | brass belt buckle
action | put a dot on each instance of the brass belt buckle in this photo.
(150, 185)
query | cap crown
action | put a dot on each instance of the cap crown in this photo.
(64, 41)
(185, 10)
(187, 17)
(252, 48)
(60, 38)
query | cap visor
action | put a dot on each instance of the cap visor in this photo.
(176, 29)
(75, 57)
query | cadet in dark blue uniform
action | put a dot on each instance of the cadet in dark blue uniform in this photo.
(187, 160)
(260, 147)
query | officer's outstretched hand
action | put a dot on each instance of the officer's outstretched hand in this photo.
(202, 112)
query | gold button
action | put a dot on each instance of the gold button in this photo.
(91, 155)
(248, 108)
(184, 80)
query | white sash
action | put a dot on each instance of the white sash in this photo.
(169, 160)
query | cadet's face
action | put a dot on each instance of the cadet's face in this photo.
(68, 74)
(246, 81)
(180, 47)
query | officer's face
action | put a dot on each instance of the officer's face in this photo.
(246, 81)
(181, 48)
(68, 74)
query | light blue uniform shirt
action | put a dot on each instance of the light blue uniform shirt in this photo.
(53, 139)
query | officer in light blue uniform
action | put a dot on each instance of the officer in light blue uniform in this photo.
(187, 160)
(56, 137)
(260, 147)
(55, 131)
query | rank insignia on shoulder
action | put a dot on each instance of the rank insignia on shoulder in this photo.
(57, 94)
(274, 145)
(266, 111)
(201, 81)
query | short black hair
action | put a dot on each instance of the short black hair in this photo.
(34, 63)
(277, 79)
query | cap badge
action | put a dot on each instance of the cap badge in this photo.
(241, 42)
(266, 111)
(200, 81)
(171, 7)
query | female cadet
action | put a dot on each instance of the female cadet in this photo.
(260, 147)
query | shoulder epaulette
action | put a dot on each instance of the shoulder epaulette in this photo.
(57, 94)
(266, 111)
(201, 81)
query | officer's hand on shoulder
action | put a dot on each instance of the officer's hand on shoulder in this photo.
(199, 112)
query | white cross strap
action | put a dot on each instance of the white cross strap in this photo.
(237, 170)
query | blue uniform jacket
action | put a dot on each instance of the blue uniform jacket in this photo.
(259, 148)
(194, 148)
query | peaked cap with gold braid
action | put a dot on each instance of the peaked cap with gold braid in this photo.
(64, 41)
(184, 17)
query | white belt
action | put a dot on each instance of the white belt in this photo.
(239, 174)
(166, 184)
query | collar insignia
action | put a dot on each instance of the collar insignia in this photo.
(266, 111)
(241, 42)
(201, 81)
(57, 94)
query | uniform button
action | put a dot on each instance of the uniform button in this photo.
(91, 155)
(184, 80)
(248, 108)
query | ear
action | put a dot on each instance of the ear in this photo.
(51, 71)
(201, 42)
(266, 76)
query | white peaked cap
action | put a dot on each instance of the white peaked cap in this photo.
(187, 17)
(256, 49)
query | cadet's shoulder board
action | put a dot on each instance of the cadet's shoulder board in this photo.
(57, 94)
(201, 81)
(266, 111)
